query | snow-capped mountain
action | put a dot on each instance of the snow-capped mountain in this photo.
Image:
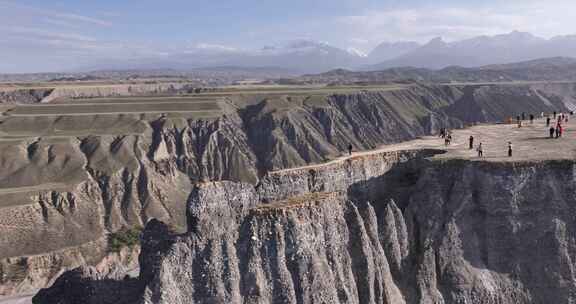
(308, 56)
(300, 56)
(357, 52)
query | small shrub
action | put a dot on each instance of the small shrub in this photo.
(128, 237)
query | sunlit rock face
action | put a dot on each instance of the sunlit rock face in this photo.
(419, 231)
(69, 181)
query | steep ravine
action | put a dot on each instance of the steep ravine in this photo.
(99, 184)
(412, 231)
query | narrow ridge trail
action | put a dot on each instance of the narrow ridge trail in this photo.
(530, 142)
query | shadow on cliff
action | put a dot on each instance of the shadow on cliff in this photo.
(476, 223)
(395, 185)
(74, 287)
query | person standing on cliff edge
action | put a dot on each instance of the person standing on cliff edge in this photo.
(509, 149)
(443, 132)
(471, 142)
(350, 149)
(558, 130)
(479, 149)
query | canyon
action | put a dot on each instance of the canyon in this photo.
(401, 226)
(245, 196)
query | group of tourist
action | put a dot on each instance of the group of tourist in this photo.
(480, 149)
(556, 130)
(447, 135)
(471, 146)
(521, 118)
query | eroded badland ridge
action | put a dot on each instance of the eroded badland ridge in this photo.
(404, 224)
(392, 227)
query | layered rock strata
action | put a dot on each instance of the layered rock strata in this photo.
(454, 232)
(64, 191)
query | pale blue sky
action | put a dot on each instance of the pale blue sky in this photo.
(42, 35)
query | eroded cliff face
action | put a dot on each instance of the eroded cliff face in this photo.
(24, 96)
(67, 193)
(25, 273)
(494, 233)
(94, 186)
(453, 232)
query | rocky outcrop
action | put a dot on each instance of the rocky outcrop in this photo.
(494, 233)
(459, 232)
(340, 176)
(88, 285)
(22, 274)
(314, 248)
(24, 95)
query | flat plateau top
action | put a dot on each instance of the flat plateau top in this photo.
(531, 142)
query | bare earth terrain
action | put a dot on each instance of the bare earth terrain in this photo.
(530, 142)
(80, 164)
(427, 219)
(16, 300)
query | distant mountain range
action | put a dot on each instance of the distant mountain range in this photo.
(547, 69)
(305, 56)
(297, 57)
(483, 50)
(212, 76)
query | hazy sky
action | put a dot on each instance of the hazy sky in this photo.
(44, 35)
